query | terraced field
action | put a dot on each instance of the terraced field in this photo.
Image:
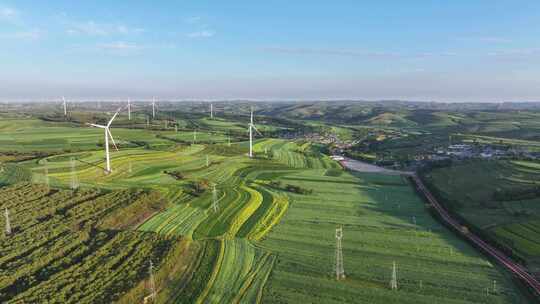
(36, 135)
(267, 238)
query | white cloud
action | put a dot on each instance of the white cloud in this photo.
(9, 14)
(119, 46)
(92, 28)
(192, 20)
(494, 40)
(33, 34)
(485, 39)
(201, 34)
(349, 52)
(327, 51)
(525, 52)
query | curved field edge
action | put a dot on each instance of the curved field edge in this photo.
(239, 274)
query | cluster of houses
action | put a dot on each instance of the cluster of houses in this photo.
(485, 151)
(331, 139)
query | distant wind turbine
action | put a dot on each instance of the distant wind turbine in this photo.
(211, 111)
(251, 128)
(107, 135)
(153, 107)
(65, 105)
(129, 108)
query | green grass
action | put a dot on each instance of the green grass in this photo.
(263, 244)
(376, 213)
(471, 188)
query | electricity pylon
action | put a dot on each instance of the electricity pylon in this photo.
(340, 272)
(214, 199)
(8, 224)
(393, 282)
(152, 282)
(74, 179)
(47, 174)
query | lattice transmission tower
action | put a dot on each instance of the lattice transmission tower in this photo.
(8, 224)
(152, 282)
(74, 178)
(340, 272)
(214, 199)
(393, 281)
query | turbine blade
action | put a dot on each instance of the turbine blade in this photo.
(114, 116)
(96, 125)
(257, 130)
(112, 139)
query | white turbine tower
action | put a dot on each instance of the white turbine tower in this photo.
(65, 106)
(107, 135)
(251, 128)
(129, 108)
(211, 111)
(153, 107)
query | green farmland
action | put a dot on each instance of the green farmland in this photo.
(498, 197)
(264, 235)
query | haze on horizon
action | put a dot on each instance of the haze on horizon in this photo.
(279, 50)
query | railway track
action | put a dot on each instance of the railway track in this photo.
(518, 270)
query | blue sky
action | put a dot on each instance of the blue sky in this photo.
(459, 50)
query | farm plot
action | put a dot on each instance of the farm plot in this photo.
(293, 154)
(239, 274)
(383, 222)
(501, 198)
(28, 135)
(57, 253)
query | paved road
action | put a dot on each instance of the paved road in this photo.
(508, 263)
(361, 166)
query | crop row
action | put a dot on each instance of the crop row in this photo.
(55, 254)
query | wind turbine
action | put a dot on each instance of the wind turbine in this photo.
(153, 107)
(129, 108)
(211, 111)
(251, 128)
(65, 106)
(107, 135)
